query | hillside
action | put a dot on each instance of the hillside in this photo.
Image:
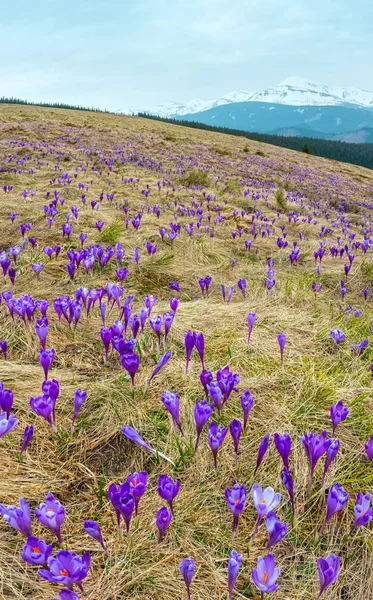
(163, 207)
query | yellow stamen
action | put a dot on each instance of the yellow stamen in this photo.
(64, 573)
(265, 576)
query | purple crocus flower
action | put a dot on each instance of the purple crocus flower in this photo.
(79, 398)
(168, 319)
(187, 572)
(276, 530)
(18, 517)
(328, 572)
(234, 564)
(338, 413)
(235, 428)
(174, 303)
(314, 446)
(216, 436)
(363, 511)
(206, 378)
(338, 336)
(251, 318)
(241, 284)
(6, 400)
(4, 348)
(369, 448)
(331, 453)
(36, 551)
(174, 285)
(263, 447)
(171, 402)
(42, 331)
(44, 406)
(138, 483)
(93, 529)
(67, 595)
(288, 482)
(189, 345)
(265, 501)
(131, 362)
(362, 346)
(51, 513)
(168, 490)
(7, 424)
(337, 500)
(236, 499)
(46, 358)
(156, 325)
(67, 569)
(106, 336)
(216, 395)
(281, 338)
(265, 575)
(202, 413)
(199, 342)
(37, 268)
(162, 520)
(247, 402)
(283, 446)
(124, 503)
(161, 363)
(135, 437)
(27, 437)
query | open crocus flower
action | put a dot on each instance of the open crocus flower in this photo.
(265, 501)
(265, 575)
(51, 513)
(36, 552)
(67, 569)
(7, 425)
(18, 517)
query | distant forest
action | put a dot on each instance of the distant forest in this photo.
(356, 154)
(4, 100)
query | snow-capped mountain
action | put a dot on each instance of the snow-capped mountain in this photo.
(293, 91)
(171, 109)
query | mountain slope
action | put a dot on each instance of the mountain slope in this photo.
(293, 91)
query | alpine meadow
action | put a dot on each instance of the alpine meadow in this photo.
(186, 364)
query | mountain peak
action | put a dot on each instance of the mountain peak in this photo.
(300, 82)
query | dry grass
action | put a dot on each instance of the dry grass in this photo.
(76, 467)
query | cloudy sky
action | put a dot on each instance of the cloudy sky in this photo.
(121, 54)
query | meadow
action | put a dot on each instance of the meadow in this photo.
(141, 236)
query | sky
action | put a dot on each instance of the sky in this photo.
(121, 55)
